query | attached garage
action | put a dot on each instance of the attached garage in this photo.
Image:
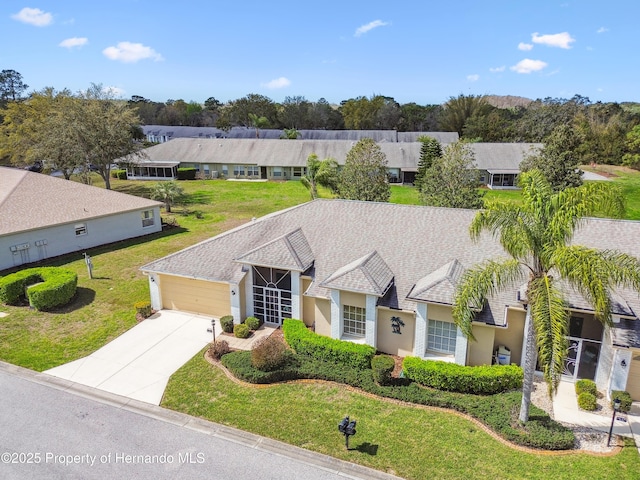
(633, 381)
(195, 296)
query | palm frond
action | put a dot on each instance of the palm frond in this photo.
(550, 315)
(479, 283)
(595, 273)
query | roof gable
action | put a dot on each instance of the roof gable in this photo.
(289, 252)
(440, 285)
(369, 274)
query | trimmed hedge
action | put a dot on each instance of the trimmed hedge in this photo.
(586, 385)
(624, 397)
(499, 412)
(306, 342)
(119, 174)
(587, 401)
(382, 366)
(241, 331)
(480, 380)
(186, 173)
(226, 323)
(252, 322)
(57, 288)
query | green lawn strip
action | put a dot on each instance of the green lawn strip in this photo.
(411, 442)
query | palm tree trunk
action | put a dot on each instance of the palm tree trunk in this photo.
(529, 367)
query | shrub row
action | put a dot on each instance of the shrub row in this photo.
(481, 380)
(382, 366)
(119, 174)
(241, 330)
(185, 173)
(306, 342)
(57, 288)
(498, 412)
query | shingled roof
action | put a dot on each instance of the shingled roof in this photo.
(369, 274)
(289, 252)
(29, 201)
(425, 248)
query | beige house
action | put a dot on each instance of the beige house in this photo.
(384, 275)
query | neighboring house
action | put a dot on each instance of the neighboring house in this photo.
(287, 159)
(43, 216)
(385, 275)
(164, 133)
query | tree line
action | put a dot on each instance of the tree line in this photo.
(600, 132)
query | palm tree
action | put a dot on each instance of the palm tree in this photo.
(320, 172)
(167, 192)
(536, 234)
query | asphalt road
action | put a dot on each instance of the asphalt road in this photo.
(54, 429)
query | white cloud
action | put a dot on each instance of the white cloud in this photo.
(561, 40)
(369, 26)
(527, 66)
(128, 52)
(473, 78)
(73, 42)
(497, 69)
(33, 16)
(115, 91)
(277, 83)
(524, 46)
(602, 30)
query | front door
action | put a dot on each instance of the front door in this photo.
(585, 341)
(582, 359)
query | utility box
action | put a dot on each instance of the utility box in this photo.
(504, 355)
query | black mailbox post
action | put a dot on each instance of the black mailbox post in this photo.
(347, 428)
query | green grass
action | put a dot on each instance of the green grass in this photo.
(103, 307)
(411, 442)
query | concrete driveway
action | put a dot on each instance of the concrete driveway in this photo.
(139, 362)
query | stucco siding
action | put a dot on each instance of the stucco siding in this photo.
(633, 381)
(396, 343)
(481, 350)
(61, 239)
(511, 337)
(196, 296)
(322, 316)
(308, 304)
(353, 299)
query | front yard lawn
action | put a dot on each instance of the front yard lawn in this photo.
(408, 441)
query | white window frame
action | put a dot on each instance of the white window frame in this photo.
(253, 171)
(441, 337)
(277, 172)
(81, 229)
(354, 321)
(148, 219)
(238, 170)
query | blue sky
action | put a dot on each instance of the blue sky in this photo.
(415, 51)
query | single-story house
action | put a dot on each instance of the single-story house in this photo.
(164, 133)
(44, 216)
(385, 274)
(287, 159)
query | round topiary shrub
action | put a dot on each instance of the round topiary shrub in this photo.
(382, 366)
(226, 323)
(45, 287)
(219, 348)
(241, 330)
(585, 385)
(268, 354)
(253, 323)
(587, 401)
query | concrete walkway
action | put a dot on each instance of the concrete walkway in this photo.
(139, 362)
(566, 410)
